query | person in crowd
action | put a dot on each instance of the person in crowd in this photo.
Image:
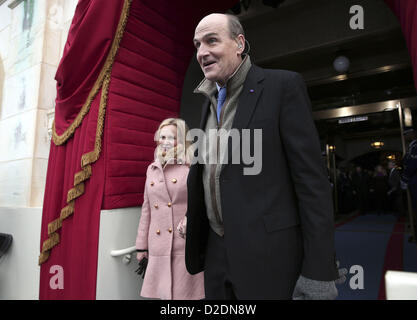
(341, 183)
(395, 193)
(379, 186)
(163, 212)
(268, 235)
(409, 174)
(360, 181)
(345, 191)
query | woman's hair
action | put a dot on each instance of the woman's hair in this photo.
(183, 150)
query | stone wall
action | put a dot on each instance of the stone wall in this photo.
(32, 38)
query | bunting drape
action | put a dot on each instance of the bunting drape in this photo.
(406, 12)
(121, 74)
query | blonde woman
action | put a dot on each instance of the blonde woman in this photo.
(163, 211)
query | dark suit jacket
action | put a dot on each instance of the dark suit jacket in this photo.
(278, 223)
(394, 181)
(409, 173)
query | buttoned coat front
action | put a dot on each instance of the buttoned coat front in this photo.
(164, 206)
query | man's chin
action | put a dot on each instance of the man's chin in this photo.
(212, 77)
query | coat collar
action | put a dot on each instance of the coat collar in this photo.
(208, 88)
(252, 89)
(248, 99)
(158, 164)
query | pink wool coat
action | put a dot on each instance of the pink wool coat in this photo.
(164, 206)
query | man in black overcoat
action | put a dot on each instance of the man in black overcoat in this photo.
(266, 231)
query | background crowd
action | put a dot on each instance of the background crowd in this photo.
(370, 191)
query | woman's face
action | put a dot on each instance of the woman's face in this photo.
(168, 137)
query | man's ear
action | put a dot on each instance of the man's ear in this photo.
(240, 43)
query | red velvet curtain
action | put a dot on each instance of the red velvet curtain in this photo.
(88, 44)
(406, 12)
(89, 41)
(121, 74)
(77, 251)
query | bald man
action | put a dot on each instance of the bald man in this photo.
(268, 234)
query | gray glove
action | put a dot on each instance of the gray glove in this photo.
(307, 289)
(342, 274)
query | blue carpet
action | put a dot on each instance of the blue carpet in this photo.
(383, 223)
(363, 242)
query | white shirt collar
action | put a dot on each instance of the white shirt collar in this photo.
(218, 87)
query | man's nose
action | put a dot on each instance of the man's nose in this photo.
(202, 52)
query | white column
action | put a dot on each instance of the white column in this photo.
(32, 38)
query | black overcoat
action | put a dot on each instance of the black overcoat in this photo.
(279, 223)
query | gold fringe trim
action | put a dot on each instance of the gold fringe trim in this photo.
(54, 226)
(93, 156)
(61, 139)
(43, 257)
(82, 175)
(67, 211)
(75, 192)
(51, 242)
(103, 82)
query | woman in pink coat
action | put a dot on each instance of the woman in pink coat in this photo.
(163, 211)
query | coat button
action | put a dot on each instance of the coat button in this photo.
(152, 183)
(169, 204)
(158, 231)
(156, 205)
(174, 180)
(170, 230)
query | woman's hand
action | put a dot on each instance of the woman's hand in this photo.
(182, 227)
(141, 255)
